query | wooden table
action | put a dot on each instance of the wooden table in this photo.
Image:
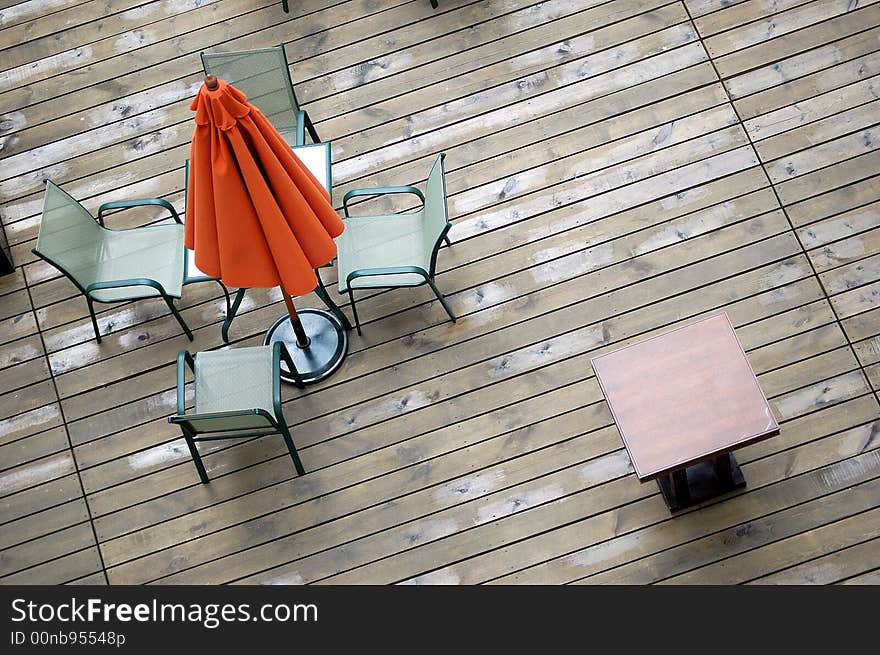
(683, 401)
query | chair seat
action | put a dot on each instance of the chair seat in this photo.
(372, 242)
(154, 252)
(235, 379)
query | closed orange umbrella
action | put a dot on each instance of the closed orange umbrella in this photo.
(257, 217)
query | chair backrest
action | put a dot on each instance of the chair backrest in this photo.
(436, 217)
(70, 238)
(264, 78)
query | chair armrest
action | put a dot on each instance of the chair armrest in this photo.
(300, 127)
(279, 352)
(142, 202)
(183, 359)
(389, 270)
(118, 284)
(380, 191)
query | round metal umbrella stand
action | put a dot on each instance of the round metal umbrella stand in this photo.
(315, 338)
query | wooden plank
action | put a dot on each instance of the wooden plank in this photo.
(460, 53)
(35, 473)
(11, 282)
(44, 522)
(727, 15)
(516, 77)
(46, 548)
(22, 350)
(833, 567)
(23, 375)
(33, 447)
(40, 498)
(869, 578)
(32, 422)
(821, 156)
(861, 326)
(93, 579)
(574, 563)
(29, 398)
(702, 7)
(797, 45)
(14, 304)
(811, 109)
(851, 275)
(828, 178)
(868, 350)
(825, 129)
(873, 374)
(15, 12)
(17, 327)
(834, 508)
(780, 93)
(838, 227)
(858, 300)
(39, 124)
(67, 29)
(58, 571)
(394, 141)
(133, 51)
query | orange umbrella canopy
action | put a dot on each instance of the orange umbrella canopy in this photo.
(255, 215)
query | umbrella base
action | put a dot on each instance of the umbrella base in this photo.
(328, 347)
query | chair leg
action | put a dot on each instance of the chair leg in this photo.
(94, 318)
(230, 314)
(287, 9)
(321, 292)
(354, 310)
(293, 454)
(442, 300)
(197, 458)
(434, 3)
(228, 308)
(446, 239)
(179, 318)
(311, 128)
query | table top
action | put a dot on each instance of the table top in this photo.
(684, 396)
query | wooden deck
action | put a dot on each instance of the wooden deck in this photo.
(615, 169)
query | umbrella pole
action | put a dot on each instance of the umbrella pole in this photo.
(302, 340)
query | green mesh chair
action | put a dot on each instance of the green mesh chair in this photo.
(112, 265)
(237, 395)
(396, 250)
(264, 77)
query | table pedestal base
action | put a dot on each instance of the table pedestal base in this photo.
(700, 482)
(325, 352)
